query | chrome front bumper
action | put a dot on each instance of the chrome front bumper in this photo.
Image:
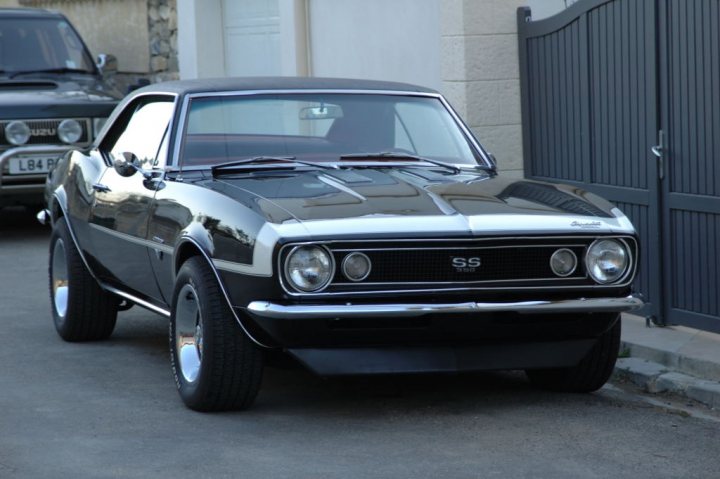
(265, 309)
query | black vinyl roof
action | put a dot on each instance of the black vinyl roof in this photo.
(184, 87)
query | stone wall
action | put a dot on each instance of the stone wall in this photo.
(162, 26)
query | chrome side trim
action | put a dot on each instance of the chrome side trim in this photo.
(269, 310)
(104, 286)
(133, 239)
(136, 300)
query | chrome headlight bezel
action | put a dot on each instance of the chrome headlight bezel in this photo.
(327, 263)
(594, 255)
(17, 132)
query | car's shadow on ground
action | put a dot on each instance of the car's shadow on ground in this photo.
(290, 388)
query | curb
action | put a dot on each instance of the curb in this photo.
(658, 378)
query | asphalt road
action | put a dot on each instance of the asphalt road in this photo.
(110, 409)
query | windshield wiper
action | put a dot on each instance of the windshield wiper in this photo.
(50, 70)
(401, 157)
(268, 159)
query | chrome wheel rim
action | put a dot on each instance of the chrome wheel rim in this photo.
(188, 333)
(60, 283)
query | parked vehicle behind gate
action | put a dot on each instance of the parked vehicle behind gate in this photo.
(52, 98)
(356, 225)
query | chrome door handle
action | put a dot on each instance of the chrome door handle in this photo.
(657, 150)
(100, 188)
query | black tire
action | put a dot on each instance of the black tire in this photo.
(590, 374)
(81, 309)
(219, 368)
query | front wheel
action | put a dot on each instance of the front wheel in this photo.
(81, 309)
(216, 365)
(590, 374)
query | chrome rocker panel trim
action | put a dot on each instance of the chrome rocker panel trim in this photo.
(266, 309)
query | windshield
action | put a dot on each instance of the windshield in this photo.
(37, 44)
(321, 127)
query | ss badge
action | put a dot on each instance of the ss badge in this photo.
(466, 265)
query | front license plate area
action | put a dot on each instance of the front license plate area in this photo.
(31, 165)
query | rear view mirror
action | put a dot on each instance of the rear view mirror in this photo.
(322, 112)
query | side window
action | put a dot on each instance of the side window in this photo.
(144, 132)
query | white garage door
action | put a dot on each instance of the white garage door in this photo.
(252, 37)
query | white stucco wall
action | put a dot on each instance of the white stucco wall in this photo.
(396, 40)
(465, 48)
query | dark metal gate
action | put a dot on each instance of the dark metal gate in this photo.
(622, 98)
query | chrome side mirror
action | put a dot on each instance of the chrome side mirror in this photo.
(107, 64)
(126, 164)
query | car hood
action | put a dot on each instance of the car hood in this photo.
(388, 199)
(56, 95)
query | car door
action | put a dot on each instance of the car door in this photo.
(124, 195)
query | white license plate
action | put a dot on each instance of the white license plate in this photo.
(32, 165)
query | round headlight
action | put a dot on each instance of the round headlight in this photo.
(309, 268)
(17, 132)
(69, 131)
(356, 266)
(563, 262)
(607, 260)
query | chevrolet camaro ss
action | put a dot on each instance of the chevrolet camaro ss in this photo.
(355, 225)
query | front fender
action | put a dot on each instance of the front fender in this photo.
(199, 244)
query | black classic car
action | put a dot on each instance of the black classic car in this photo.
(356, 225)
(52, 98)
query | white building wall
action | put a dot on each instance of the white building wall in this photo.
(465, 48)
(396, 40)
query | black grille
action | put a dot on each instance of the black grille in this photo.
(504, 264)
(511, 263)
(44, 132)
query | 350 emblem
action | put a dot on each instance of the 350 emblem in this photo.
(466, 265)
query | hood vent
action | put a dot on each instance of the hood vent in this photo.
(27, 85)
